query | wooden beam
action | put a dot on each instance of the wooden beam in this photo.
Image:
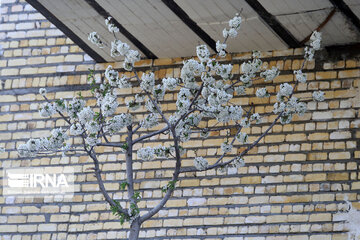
(67, 31)
(349, 14)
(275, 25)
(101, 11)
(172, 5)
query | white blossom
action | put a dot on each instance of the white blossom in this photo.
(75, 106)
(279, 107)
(147, 81)
(56, 140)
(245, 122)
(146, 153)
(46, 110)
(113, 50)
(86, 115)
(150, 121)
(205, 133)
(109, 104)
(262, 92)
(286, 118)
(255, 117)
(200, 163)
(92, 127)
(224, 70)
(131, 57)
(60, 105)
(309, 53)
(270, 74)
(235, 22)
(92, 141)
(33, 146)
(161, 151)
(240, 90)
(76, 129)
(118, 122)
(251, 67)
(2, 150)
(285, 91)
(318, 96)
(150, 106)
(193, 119)
(191, 69)
(235, 112)
(95, 39)
(242, 137)
(239, 162)
(315, 40)
(213, 64)
(230, 33)
(123, 82)
(111, 75)
(42, 91)
(203, 53)
(23, 150)
(111, 26)
(225, 147)
(300, 76)
(159, 92)
(132, 104)
(220, 48)
(170, 83)
(124, 48)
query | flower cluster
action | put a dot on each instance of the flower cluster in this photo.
(146, 153)
(318, 96)
(300, 76)
(200, 163)
(225, 147)
(262, 92)
(150, 121)
(220, 48)
(170, 83)
(94, 38)
(270, 74)
(285, 91)
(191, 69)
(234, 25)
(242, 137)
(55, 141)
(315, 41)
(42, 91)
(203, 53)
(118, 122)
(147, 81)
(111, 26)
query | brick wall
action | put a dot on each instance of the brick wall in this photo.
(293, 183)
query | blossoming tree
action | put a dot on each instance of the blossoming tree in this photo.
(205, 91)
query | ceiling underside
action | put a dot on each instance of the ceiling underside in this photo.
(158, 30)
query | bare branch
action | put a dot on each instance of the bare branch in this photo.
(151, 134)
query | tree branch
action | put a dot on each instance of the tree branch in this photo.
(151, 134)
(174, 179)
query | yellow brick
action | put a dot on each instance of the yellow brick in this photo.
(349, 73)
(250, 180)
(173, 222)
(320, 217)
(337, 176)
(314, 177)
(326, 75)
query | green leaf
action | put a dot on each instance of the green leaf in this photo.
(123, 185)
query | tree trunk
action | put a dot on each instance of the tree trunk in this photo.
(134, 230)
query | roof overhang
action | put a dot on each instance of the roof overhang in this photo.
(173, 28)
